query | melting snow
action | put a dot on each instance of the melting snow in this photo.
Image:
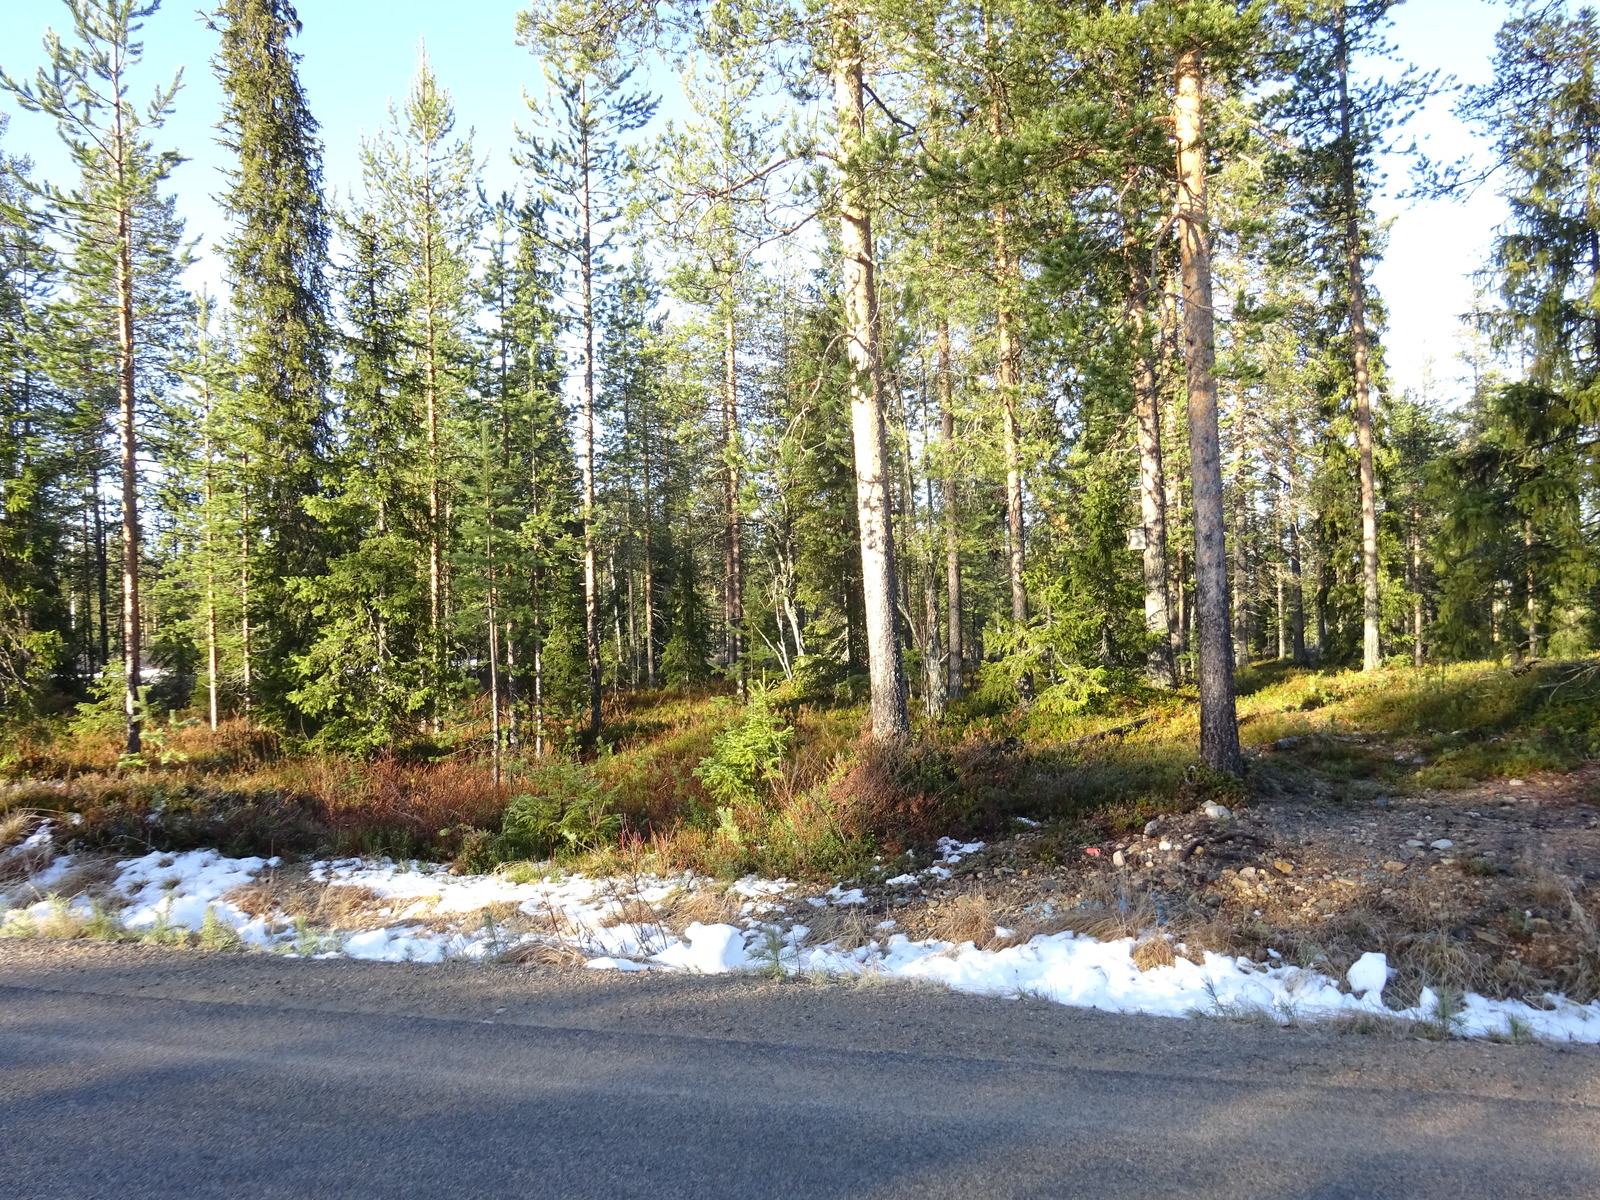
(434, 915)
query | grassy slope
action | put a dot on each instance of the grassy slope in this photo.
(835, 803)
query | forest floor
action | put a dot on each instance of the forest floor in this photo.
(1410, 849)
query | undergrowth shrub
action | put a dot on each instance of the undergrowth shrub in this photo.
(565, 811)
(746, 756)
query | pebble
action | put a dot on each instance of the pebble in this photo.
(1215, 811)
(1247, 872)
(1282, 866)
(1119, 859)
(1441, 844)
(1414, 843)
(1150, 827)
(1165, 845)
(1394, 868)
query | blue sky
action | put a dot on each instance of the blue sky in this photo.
(359, 53)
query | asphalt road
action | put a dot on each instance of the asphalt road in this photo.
(128, 1072)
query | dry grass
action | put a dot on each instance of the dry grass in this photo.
(845, 929)
(87, 877)
(15, 826)
(709, 906)
(632, 912)
(968, 918)
(292, 894)
(1154, 952)
(545, 954)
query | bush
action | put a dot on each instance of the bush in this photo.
(569, 813)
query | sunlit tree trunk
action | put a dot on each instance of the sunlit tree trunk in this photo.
(1152, 478)
(886, 667)
(952, 513)
(1371, 656)
(1219, 728)
(591, 600)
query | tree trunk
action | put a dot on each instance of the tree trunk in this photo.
(494, 635)
(1371, 656)
(1219, 728)
(952, 524)
(1152, 479)
(649, 570)
(732, 453)
(248, 680)
(591, 601)
(1241, 618)
(1414, 538)
(430, 388)
(209, 518)
(1533, 595)
(890, 720)
(131, 659)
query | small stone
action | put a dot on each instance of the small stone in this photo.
(1282, 866)
(1441, 843)
(1414, 843)
(1119, 859)
(1382, 801)
(1514, 782)
(1165, 845)
(1286, 743)
(1215, 811)
(1247, 872)
(1394, 868)
(1150, 827)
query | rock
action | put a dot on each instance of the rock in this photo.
(1394, 868)
(1368, 975)
(1215, 811)
(1282, 866)
(1414, 843)
(1119, 859)
(1165, 845)
(1247, 872)
(1441, 843)
(1381, 801)
(1151, 826)
(1286, 743)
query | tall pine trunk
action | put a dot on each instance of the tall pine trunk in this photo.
(1371, 654)
(952, 513)
(208, 517)
(1219, 727)
(131, 659)
(732, 454)
(591, 582)
(1152, 478)
(890, 720)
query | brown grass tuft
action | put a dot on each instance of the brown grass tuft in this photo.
(545, 954)
(337, 906)
(1154, 952)
(968, 918)
(709, 906)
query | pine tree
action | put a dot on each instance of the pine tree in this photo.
(116, 257)
(580, 164)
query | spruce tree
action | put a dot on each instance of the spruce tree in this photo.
(277, 261)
